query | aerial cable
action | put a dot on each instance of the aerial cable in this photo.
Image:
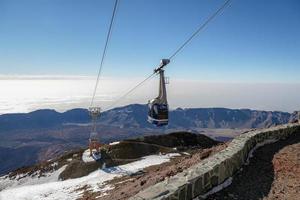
(200, 29)
(104, 50)
(130, 91)
(175, 52)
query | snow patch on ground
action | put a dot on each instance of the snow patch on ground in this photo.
(218, 188)
(114, 143)
(55, 164)
(76, 124)
(86, 156)
(71, 189)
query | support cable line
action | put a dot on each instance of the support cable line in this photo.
(186, 42)
(200, 29)
(94, 144)
(104, 50)
(130, 91)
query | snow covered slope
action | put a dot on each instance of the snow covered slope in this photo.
(29, 179)
(50, 188)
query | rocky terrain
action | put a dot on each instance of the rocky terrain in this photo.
(153, 175)
(273, 173)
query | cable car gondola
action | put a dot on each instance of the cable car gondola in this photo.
(158, 113)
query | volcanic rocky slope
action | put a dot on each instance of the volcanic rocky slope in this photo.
(121, 153)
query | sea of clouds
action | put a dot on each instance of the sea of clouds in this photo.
(28, 93)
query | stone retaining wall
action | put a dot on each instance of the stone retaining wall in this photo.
(213, 171)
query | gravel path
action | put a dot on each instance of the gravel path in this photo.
(273, 173)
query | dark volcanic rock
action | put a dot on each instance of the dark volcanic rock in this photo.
(133, 149)
(78, 168)
(179, 139)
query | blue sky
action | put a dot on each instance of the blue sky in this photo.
(252, 40)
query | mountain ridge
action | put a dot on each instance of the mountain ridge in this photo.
(134, 115)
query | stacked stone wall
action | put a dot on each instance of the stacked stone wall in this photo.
(202, 177)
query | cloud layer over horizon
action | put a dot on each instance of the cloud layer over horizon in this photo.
(25, 93)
